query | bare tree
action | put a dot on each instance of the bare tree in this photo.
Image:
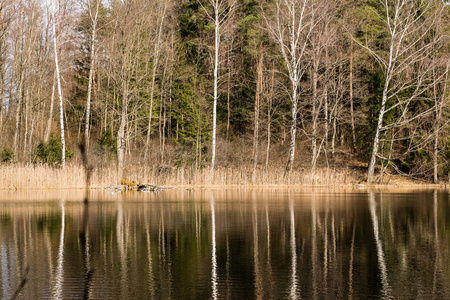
(58, 80)
(221, 12)
(290, 23)
(128, 64)
(321, 42)
(258, 93)
(404, 66)
(162, 8)
(5, 21)
(92, 9)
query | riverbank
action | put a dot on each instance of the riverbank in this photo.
(13, 177)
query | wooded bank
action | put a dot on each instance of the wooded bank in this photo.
(276, 90)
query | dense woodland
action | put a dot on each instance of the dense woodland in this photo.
(300, 84)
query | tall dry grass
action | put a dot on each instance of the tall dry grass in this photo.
(31, 176)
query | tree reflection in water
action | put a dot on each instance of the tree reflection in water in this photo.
(229, 244)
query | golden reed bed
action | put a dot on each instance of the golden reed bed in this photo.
(31, 176)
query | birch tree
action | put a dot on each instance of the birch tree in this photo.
(162, 8)
(290, 23)
(93, 10)
(58, 80)
(322, 40)
(128, 64)
(405, 68)
(218, 12)
(5, 21)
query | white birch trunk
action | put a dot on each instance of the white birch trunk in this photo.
(58, 78)
(121, 135)
(91, 76)
(50, 112)
(152, 88)
(269, 118)
(216, 83)
(351, 96)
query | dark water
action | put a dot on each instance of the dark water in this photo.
(225, 244)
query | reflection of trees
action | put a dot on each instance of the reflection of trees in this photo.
(378, 243)
(213, 251)
(270, 247)
(59, 279)
(294, 280)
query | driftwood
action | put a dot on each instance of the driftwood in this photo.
(151, 188)
(148, 187)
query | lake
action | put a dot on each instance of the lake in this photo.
(226, 244)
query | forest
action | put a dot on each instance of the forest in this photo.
(207, 85)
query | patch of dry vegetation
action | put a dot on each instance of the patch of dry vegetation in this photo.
(73, 176)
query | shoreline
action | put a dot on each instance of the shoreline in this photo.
(73, 177)
(248, 187)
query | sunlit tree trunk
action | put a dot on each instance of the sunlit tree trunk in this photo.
(157, 51)
(94, 19)
(269, 116)
(257, 104)
(406, 50)
(121, 132)
(290, 24)
(220, 15)
(216, 81)
(351, 96)
(50, 111)
(315, 111)
(58, 80)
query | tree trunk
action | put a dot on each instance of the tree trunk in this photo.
(50, 111)
(293, 131)
(26, 113)
(91, 78)
(315, 112)
(269, 116)
(2, 83)
(121, 134)
(152, 88)
(376, 140)
(438, 112)
(18, 112)
(257, 101)
(228, 96)
(351, 96)
(216, 83)
(58, 78)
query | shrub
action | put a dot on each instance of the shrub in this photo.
(50, 152)
(6, 156)
(107, 142)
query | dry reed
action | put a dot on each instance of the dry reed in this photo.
(31, 176)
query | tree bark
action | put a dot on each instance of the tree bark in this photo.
(351, 96)
(50, 111)
(376, 140)
(257, 101)
(315, 112)
(91, 75)
(121, 133)
(152, 88)
(58, 78)
(216, 82)
(228, 95)
(269, 116)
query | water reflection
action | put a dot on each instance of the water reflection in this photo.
(229, 245)
(57, 290)
(380, 253)
(214, 251)
(293, 291)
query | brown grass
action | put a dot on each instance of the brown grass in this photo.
(31, 176)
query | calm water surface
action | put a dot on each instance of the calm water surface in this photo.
(226, 244)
